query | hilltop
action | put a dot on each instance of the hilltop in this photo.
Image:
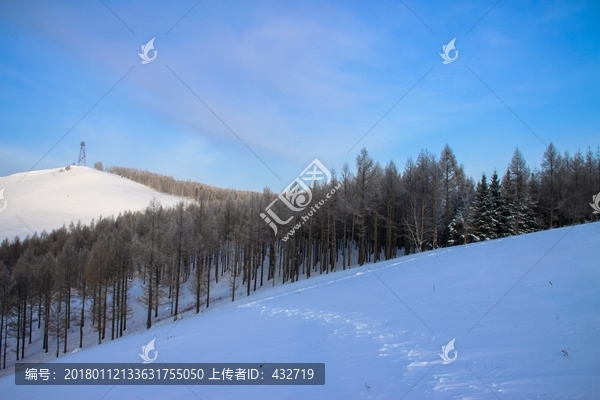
(47, 199)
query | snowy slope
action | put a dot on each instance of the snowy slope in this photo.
(47, 199)
(383, 325)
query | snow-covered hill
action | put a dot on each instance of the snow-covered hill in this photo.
(513, 305)
(47, 199)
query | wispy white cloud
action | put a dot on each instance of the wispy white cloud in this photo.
(294, 81)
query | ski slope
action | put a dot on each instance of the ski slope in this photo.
(47, 199)
(511, 304)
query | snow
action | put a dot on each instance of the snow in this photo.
(47, 199)
(379, 329)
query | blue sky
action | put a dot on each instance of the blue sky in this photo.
(295, 81)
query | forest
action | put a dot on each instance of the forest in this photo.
(377, 213)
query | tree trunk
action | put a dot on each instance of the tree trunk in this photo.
(104, 312)
(46, 322)
(66, 325)
(208, 280)
(82, 319)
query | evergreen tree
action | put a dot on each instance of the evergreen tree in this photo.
(515, 191)
(502, 218)
(458, 232)
(483, 212)
(531, 216)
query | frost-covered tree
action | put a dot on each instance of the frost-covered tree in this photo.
(502, 218)
(515, 191)
(483, 212)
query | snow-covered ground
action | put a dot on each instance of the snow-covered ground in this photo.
(511, 304)
(47, 199)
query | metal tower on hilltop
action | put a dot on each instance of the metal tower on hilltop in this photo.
(82, 155)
